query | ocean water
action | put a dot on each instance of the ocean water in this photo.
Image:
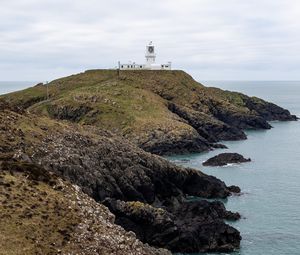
(270, 205)
(10, 86)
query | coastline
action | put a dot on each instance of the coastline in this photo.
(269, 182)
(143, 190)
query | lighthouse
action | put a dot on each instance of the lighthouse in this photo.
(150, 55)
(150, 64)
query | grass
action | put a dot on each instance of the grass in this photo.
(35, 218)
(116, 105)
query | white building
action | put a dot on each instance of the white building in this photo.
(150, 62)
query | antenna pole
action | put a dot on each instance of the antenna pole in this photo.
(119, 67)
(47, 87)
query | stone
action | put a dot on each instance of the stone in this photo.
(224, 159)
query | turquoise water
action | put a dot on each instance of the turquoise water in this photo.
(270, 205)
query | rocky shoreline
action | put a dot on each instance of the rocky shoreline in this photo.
(101, 132)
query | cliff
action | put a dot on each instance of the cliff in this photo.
(162, 112)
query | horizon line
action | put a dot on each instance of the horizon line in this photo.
(195, 79)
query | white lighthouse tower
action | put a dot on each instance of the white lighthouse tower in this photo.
(150, 55)
(150, 62)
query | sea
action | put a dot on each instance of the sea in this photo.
(270, 203)
(11, 86)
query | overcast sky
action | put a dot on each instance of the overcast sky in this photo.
(211, 39)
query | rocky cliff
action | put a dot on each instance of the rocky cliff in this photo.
(160, 111)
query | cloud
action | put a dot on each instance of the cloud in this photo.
(212, 39)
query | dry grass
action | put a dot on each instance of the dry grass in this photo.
(35, 218)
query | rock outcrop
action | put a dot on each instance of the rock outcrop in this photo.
(225, 158)
(192, 226)
(109, 166)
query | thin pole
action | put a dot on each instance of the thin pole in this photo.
(119, 67)
(47, 86)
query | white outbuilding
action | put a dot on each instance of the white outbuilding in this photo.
(150, 62)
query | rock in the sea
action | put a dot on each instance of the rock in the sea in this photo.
(234, 189)
(225, 158)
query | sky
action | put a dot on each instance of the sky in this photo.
(42, 40)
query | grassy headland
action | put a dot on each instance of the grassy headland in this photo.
(160, 111)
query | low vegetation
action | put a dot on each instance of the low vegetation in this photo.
(154, 109)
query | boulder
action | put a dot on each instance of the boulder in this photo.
(224, 159)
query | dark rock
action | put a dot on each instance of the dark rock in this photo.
(268, 111)
(234, 189)
(219, 146)
(170, 145)
(68, 112)
(193, 227)
(208, 127)
(224, 159)
(112, 167)
(241, 121)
